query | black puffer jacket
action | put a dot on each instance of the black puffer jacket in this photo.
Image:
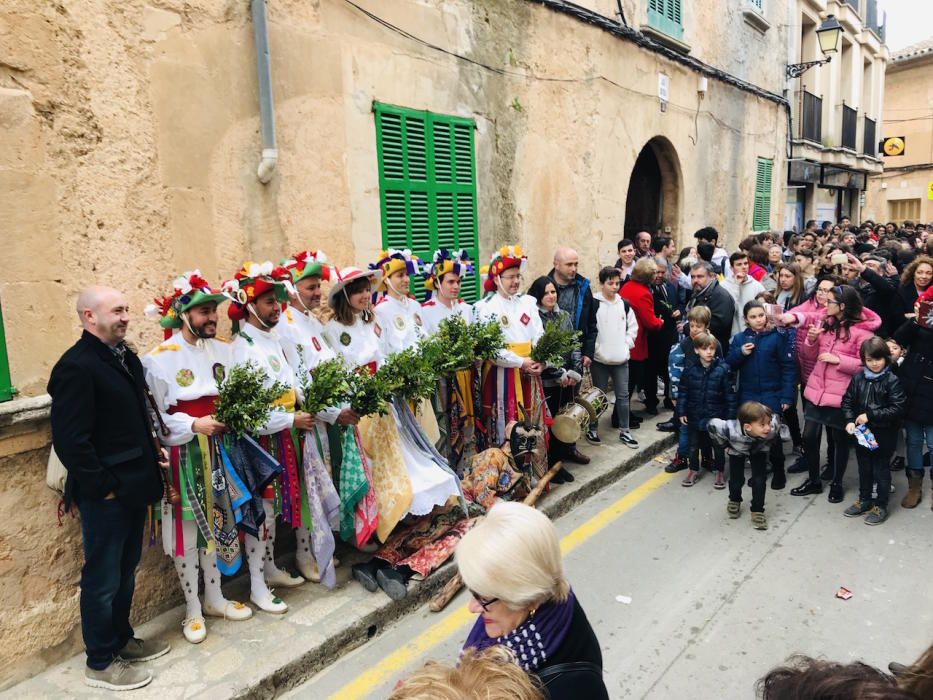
(916, 372)
(706, 392)
(881, 398)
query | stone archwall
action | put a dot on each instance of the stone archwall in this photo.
(129, 141)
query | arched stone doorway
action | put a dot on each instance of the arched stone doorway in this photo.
(653, 200)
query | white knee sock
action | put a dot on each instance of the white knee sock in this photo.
(255, 558)
(304, 555)
(269, 567)
(212, 593)
(187, 568)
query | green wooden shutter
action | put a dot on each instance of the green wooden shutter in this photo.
(761, 215)
(666, 16)
(427, 185)
(6, 387)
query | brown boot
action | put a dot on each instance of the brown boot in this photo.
(914, 492)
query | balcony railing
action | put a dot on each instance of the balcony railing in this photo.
(869, 146)
(849, 122)
(811, 117)
(871, 19)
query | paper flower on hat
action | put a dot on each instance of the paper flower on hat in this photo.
(252, 281)
(189, 289)
(392, 261)
(508, 256)
(445, 261)
(308, 263)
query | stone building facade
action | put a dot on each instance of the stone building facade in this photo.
(904, 192)
(130, 142)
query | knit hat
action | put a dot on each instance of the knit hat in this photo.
(445, 261)
(506, 257)
(188, 290)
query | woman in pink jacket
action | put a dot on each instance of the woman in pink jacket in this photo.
(833, 348)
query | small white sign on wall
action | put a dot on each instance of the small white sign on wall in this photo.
(663, 87)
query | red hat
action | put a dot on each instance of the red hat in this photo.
(506, 257)
(251, 282)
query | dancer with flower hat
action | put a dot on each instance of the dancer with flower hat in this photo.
(183, 373)
(513, 379)
(260, 292)
(302, 337)
(453, 403)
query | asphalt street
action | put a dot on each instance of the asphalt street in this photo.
(687, 603)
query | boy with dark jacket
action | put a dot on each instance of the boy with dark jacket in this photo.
(751, 435)
(876, 399)
(706, 391)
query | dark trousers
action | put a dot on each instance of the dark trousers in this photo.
(839, 456)
(874, 467)
(776, 457)
(636, 378)
(113, 542)
(699, 441)
(792, 421)
(555, 397)
(655, 368)
(759, 463)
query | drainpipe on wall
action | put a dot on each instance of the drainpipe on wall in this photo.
(270, 153)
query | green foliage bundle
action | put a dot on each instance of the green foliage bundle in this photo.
(369, 393)
(244, 403)
(412, 373)
(488, 339)
(555, 344)
(324, 385)
(451, 348)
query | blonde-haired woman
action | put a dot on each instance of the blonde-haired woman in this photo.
(518, 589)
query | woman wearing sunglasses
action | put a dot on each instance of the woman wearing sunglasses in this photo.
(511, 564)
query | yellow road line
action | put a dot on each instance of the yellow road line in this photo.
(441, 631)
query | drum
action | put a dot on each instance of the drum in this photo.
(570, 422)
(594, 401)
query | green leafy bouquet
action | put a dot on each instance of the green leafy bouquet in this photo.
(369, 393)
(488, 339)
(324, 386)
(412, 373)
(555, 344)
(244, 402)
(451, 348)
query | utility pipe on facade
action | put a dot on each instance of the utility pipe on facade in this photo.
(270, 153)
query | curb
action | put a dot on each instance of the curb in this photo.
(302, 668)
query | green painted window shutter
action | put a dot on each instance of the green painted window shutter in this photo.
(666, 16)
(427, 186)
(761, 215)
(6, 387)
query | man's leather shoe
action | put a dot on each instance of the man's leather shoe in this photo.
(668, 426)
(578, 457)
(807, 488)
(798, 467)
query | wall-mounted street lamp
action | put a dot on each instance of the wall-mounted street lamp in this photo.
(828, 36)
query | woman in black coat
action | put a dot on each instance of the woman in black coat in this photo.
(916, 375)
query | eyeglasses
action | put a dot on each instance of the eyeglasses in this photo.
(832, 301)
(484, 603)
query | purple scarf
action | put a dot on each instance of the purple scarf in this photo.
(533, 641)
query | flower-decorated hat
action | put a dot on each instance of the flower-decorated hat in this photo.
(506, 257)
(346, 275)
(251, 282)
(188, 290)
(308, 263)
(444, 261)
(392, 261)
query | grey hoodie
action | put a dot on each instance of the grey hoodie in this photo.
(729, 434)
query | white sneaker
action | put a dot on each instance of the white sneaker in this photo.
(232, 610)
(283, 579)
(626, 439)
(269, 603)
(194, 629)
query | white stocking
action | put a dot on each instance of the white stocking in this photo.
(255, 557)
(269, 567)
(304, 555)
(187, 568)
(213, 596)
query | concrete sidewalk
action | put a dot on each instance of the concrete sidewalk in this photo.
(265, 656)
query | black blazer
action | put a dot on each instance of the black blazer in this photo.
(101, 425)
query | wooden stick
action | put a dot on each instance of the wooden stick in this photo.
(453, 586)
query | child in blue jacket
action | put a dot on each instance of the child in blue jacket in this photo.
(705, 391)
(767, 372)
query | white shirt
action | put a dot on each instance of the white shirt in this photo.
(264, 350)
(433, 311)
(520, 321)
(357, 344)
(177, 370)
(399, 322)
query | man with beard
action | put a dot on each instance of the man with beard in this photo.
(302, 338)
(260, 291)
(184, 372)
(102, 434)
(708, 292)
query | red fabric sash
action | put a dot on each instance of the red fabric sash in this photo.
(197, 408)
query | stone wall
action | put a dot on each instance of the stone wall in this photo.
(129, 141)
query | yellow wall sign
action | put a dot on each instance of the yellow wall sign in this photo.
(930, 190)
(893, 146)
